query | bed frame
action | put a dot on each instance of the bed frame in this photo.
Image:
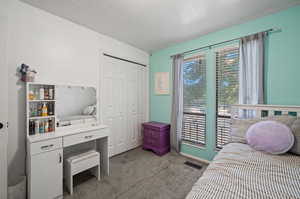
(264, 110)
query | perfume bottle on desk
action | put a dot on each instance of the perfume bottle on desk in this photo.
(42, 93)
(31, 127)
(41, 125)
(50, 107)
(31, 95)
(44, 110)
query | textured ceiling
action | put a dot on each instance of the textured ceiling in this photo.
(155, 24)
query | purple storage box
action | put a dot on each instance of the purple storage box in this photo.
(156, 137)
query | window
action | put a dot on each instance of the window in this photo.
(227, 69)
(194, 100)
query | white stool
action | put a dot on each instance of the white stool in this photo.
(79, 163)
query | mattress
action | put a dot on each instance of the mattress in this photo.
(239, 171)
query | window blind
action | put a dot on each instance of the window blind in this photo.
(227, 91)
(194, 100)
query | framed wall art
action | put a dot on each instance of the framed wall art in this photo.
(161, 83)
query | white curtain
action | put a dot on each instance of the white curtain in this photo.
(177, 102)
(251, 64)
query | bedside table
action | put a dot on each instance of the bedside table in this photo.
(156, 137)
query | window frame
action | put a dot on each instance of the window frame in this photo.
(229, 48)
(197, 56)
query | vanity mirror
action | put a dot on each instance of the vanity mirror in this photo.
(75, 105)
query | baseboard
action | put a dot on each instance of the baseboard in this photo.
(195, 158)
(138, 146)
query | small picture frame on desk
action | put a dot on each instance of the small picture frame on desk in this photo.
(161, 81)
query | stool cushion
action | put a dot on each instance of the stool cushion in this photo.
(82, 156)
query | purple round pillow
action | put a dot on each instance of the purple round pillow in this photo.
(270, 136)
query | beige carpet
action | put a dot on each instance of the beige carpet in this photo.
(140, 174)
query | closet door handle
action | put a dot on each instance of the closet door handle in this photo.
(1, 125)
(46, 147)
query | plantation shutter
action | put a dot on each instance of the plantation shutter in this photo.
(227, 90)
(194, 100)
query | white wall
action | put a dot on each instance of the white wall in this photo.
(62, 52)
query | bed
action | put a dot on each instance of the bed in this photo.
(238, 171)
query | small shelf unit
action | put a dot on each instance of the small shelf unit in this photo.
(37, 123)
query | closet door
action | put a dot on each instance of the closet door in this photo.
(123, 104)
(112, 113)
(132, 91)
(142, 109)
(118, 104)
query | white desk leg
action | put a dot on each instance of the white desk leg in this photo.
(102, 147)
(96, 172)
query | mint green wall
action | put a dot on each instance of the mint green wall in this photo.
(282, 69)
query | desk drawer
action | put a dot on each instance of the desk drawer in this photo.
(45, 146)
(83, 137)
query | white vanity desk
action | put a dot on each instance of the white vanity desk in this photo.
(62, 120)
(45, 158)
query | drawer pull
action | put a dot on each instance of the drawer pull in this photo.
(88, 137)
(47, 147)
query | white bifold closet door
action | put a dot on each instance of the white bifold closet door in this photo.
(123, 99)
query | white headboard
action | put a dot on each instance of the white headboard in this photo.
(262, 110)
